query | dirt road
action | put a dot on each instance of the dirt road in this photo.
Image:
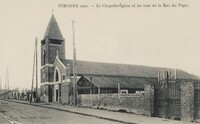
(26, 114)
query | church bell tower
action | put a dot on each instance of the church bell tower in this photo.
(52, 42)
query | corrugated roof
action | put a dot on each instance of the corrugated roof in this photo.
(98, 68)
(53, 30)
(125, 82)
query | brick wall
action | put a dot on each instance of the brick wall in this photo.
(149, 100)
(197, 101)
(131, 103)
(134, 103)
(187, 101)
(53, 52)
(49, 74)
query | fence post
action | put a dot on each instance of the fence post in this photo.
(187, 101)
(149, 99)
(118, 89)
(99, 91)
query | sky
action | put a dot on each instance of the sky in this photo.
(162, 37)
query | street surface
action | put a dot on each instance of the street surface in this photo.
(26, 114)
(21, 112)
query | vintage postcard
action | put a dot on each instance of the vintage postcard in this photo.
(100, 61)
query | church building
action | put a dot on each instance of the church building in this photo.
(93, 77)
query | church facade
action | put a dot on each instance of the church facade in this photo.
(52, 75)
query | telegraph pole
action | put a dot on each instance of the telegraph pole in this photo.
(5, 86)
(167, 93)
(31, 95)
(7, 81)
(7, 78)
(74, 67)
(37, 100)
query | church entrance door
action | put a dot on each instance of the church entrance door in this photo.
(56, 95)
(50, 93)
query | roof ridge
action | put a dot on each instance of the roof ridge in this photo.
(103, 68)
(116, 63)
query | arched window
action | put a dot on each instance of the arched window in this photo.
(57, 76)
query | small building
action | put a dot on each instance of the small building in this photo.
(105, 84)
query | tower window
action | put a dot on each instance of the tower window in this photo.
(58, 42)
(57, 76)
(44, 56)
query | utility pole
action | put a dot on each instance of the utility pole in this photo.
(167, 94)
(37, 100)
(5, 86)
(7, 81)
(7, 78)
(31, 95)
(119, 90)
(74, 67)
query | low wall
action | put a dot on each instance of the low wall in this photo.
(133, 103)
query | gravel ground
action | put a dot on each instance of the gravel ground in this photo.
(26, 114)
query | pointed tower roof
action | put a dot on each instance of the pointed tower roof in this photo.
(53, 30)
